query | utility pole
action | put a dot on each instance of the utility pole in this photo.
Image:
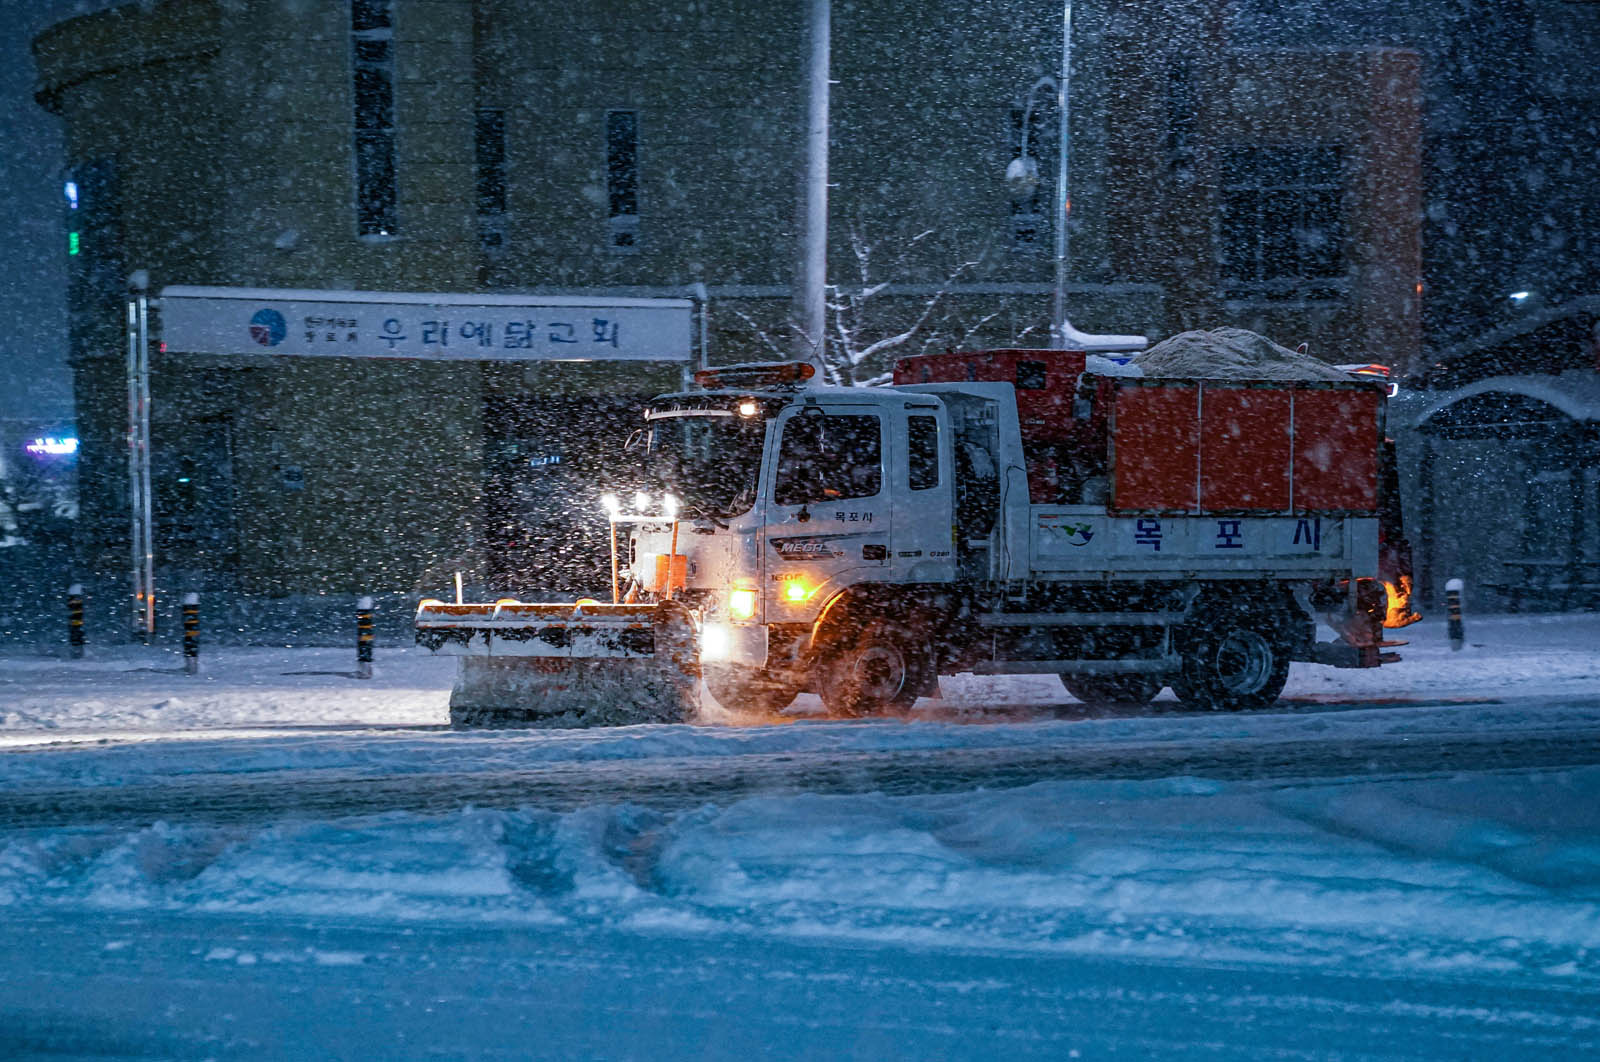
(140, 499)
(813, 307)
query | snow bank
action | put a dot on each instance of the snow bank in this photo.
(1103, 366)
(1401, 876)
(1232, 353)
(145, 689)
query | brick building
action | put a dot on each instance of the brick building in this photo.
(630, 149)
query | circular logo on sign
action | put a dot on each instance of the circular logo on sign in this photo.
(267, 327)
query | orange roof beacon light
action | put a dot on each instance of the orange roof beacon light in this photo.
(1372, 370)
(785, 375)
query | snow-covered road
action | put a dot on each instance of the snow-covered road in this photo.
(1394, 864)
(207, 986)
(442, 773)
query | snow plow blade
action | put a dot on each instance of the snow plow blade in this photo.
(562, 665)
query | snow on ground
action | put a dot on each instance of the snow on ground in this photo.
(144, 688)
(1456, 875)
(1399, 876)
(120, 689)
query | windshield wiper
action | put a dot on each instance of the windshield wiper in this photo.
(717, 520)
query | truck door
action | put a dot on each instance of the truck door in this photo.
(829, 517)
(922, 491)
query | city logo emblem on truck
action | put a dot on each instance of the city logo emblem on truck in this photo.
(268, 328)
(1079, 534)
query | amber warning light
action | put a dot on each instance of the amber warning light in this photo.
(757, 374)
(1400, 612)
(1374, 372)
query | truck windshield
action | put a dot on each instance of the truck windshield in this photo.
(711, 462)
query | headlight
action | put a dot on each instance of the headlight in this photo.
(742, 603)
(714, 641)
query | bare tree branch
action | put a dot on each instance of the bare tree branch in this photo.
(866, 321)
(761, 333)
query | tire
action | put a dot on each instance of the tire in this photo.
(1124, 692)
(741, 689)
(881, 673)
(1238, 664)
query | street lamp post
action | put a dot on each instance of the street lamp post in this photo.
(814, 254)
(1023, 176)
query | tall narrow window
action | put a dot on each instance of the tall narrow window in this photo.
(372, 81)
(1282, 228)
(94, 237)
(622, 181)
(922, 435)
(491, 151)
(1182, 121)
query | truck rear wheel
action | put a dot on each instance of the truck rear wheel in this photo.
(1234, 665)
(741, 689)
(881, 671)
(1113, 691)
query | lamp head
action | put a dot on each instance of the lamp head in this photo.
(1022, 176)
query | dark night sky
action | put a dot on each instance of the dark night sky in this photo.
(34, 383)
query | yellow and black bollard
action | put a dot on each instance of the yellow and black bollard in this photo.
(1452, 600)
(75, 621)
(364, 638)
(191, 634)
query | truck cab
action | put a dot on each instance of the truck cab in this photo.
(793, 500)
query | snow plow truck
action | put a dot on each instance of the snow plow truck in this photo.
(999, 512)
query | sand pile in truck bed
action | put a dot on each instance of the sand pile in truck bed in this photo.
(1232, 354)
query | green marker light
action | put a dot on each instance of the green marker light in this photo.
(72, 243)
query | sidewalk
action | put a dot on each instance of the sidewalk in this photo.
(145, 688)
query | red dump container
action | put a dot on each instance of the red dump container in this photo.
(1253, 447)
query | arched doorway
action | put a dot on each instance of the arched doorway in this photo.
(1510, 491)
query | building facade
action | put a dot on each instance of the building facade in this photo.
(640, 149)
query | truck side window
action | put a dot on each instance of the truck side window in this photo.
(923, 452)
(1031, 375)
(829, 458)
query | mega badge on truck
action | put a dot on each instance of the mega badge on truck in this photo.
(804, 549)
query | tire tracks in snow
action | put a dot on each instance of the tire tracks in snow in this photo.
(681, 782)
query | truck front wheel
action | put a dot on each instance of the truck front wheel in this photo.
(1234, 665)
(881, 671)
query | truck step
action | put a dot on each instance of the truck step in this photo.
(1158, 666)
(1080, 619)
